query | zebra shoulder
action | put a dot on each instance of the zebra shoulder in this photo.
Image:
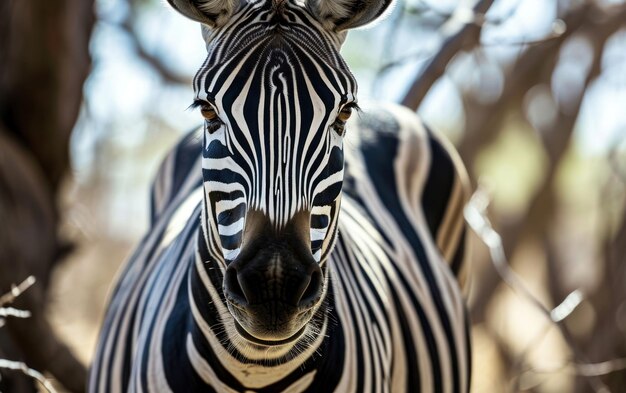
(429, 173)
(176, 167)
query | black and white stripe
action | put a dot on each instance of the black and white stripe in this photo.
(383, 214)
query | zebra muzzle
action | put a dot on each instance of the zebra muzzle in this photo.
(272, 295)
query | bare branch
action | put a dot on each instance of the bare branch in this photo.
(467, 36)
(36, 375)
(17, 291)
(581, 370)
(558, 29)
(483, 124)
(13, 312)
(154, 61)
(475, 215)
(127, 25)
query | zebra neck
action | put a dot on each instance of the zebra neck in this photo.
(215, 347)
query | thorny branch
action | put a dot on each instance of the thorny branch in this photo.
(476, 216)
(485, 122)
(12, 312)
(22, 367)
(8, 298)
(16, 290)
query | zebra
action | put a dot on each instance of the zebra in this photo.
(298, 241)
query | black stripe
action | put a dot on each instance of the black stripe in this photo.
(438, 187)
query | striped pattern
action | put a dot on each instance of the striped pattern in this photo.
(274, 153)
(383, 206)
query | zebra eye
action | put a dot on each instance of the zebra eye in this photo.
(340, 123)
(208, 112)
(213, 122)
(345, 114)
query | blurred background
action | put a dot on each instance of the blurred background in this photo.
(532, 92)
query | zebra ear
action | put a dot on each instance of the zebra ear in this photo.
(347, 14)
(213, 13)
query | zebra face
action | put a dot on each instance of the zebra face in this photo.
(275, 95)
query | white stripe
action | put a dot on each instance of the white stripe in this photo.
(231, 254)
(232, 229)
(318, 234)
(228, 204)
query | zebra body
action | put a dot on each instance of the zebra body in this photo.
(396, 318)
(282, 256)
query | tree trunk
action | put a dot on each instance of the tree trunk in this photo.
(44, 61)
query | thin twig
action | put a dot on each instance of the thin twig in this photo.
(558, 29)
(127, 25)
(13, 312)
(388, 49)
(20, 366)
(467, 36)
(17, 290)
(476, 217)
(582, 370)
(417, 55)
(424, 53)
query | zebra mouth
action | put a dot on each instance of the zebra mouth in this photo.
(268, 343)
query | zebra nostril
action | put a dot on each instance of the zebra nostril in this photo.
(232, 288)
(313, 291)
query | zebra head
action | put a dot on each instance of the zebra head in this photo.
(276, 95)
